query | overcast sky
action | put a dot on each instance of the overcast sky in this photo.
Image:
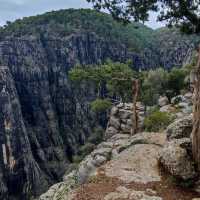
(14, 9)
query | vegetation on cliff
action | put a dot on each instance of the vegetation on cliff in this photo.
(64, 23)
(112, 82)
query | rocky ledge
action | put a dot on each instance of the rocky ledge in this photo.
(137, 167)
(111, 150)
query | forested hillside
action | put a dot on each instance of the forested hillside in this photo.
(147, 47)
(63, 23)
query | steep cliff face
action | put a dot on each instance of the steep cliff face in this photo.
(18, 168)
(174, 49)
(52, 118)
(44, 118)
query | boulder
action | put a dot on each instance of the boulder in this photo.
(114, 111)
(181, 128)
(162, 101)
(140, 106)
(188, 95)
(183, 105)
(175, 159)
(187, 110)
(121, 119)
(114, 122)
(178, 99)
(126, 128)
(125, 114)
(165, 108)
(110, 131)
(105, 152)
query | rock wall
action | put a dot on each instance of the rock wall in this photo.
(105, 151)
(120, 120)
(19, 171)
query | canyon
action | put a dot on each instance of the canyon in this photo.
(44, 117)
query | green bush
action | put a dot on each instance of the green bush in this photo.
(157, 121)
(77, 159)
(153, 85)
(96, 136)
(86, 149)
(176, 81)
(100, 105)
(93, 140)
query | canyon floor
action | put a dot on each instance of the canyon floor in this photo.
(134, 175)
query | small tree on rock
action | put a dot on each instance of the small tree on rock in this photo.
(120, 82)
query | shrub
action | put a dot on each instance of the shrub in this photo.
(157, 121)
(153, 85)
(83, 151)
(77, 159)
(176, 81)
(97, 136)
(86, 149)
(100, 105)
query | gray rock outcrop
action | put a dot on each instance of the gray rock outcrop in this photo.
(121, 119)
(180, 128)
(105, 151)
(163, 101)
(176, 160)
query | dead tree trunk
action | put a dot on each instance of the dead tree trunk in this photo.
(135, 90)
(196, 115)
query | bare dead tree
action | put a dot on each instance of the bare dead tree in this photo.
(135, 91)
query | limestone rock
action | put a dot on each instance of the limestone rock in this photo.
(114, 122)
(180, 128)
(178, 99)
(162, 101)
(121, 119)
(125, 114)
(114, 111)
(126, 128)
(165, 108)
(175, 159)
(110, 131)
(188, 95)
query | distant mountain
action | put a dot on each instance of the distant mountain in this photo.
(64, 23)
(174, 48)
(147, 48)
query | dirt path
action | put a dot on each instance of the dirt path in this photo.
(133, 175)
